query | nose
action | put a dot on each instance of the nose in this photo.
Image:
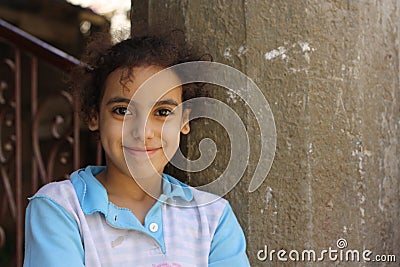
(141, 128)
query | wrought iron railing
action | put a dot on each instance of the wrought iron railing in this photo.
(39, 132)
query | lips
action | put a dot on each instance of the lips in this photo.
(141, 152)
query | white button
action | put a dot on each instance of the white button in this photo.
(153, 227)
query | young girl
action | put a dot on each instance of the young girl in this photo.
(103, 216)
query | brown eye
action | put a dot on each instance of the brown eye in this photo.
(164, 112)
(122, 111)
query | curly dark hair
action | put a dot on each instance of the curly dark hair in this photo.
(103, 57)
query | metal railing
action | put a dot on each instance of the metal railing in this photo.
(25, 163)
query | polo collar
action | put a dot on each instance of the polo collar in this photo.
(93, 197)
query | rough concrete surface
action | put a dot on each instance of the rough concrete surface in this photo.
(330, 71)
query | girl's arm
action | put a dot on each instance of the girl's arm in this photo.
(52, 236)
(228, 247)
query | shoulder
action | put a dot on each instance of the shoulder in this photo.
(212, 208)
(207, 200)
(61, 194)
(184, 195)
(72, 191)
(56, 190)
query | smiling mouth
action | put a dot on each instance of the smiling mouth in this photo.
(141, 152)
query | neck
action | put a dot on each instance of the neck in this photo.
(125, 186)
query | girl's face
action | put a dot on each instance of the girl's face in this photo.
(139, 136)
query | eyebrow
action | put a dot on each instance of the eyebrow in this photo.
(170, 102)
(118, 100)
(113, 100)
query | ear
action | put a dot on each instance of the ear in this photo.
(93, 123)
(185, 129)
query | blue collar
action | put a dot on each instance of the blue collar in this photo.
(93, 197)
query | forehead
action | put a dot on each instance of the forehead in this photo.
(145, 83)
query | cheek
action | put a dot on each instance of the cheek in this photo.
(110, 132)
(170, 138)
(171, 131)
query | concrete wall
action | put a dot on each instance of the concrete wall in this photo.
(330, 71)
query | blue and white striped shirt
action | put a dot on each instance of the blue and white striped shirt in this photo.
(72, 223)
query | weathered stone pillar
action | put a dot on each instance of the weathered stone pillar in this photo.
(330, 71)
